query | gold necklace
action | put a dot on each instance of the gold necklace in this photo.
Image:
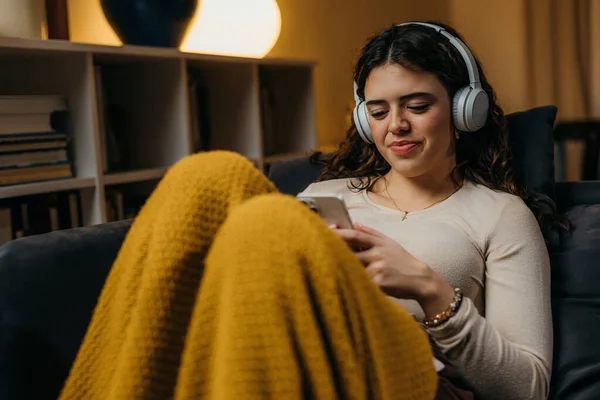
(425, 208)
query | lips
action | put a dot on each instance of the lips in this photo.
(404, 147)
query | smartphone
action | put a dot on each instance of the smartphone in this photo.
(330, 207)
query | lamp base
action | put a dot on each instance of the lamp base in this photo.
(159, 23)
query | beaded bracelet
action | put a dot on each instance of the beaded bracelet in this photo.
(445, 315)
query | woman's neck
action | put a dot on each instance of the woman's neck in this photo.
(411, 194)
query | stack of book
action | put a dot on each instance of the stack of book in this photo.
(34, 144)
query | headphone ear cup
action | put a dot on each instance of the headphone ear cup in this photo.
(477, 105)
(361, 120)
(458, 109)
(470, 109)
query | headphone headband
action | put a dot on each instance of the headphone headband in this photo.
(462, 49)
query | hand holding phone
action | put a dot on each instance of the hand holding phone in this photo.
(330, 207)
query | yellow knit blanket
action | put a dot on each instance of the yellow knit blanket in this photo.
(226, 289)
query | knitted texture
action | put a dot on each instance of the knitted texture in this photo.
(225, 289)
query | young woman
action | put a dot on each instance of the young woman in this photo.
(226, 289)
(426, 173)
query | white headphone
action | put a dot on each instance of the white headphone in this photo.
(470, 103)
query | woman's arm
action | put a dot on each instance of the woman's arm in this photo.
(507, 355)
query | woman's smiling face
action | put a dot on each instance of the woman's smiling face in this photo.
(410, 119)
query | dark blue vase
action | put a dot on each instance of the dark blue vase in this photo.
(160, 23)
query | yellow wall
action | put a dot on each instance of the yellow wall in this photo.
(87, 23)
(527, 48)
(496, 31)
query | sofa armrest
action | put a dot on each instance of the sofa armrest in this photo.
(49, 286)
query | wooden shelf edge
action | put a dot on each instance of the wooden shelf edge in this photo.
(65, 46)
(134, 176)
(60, 185)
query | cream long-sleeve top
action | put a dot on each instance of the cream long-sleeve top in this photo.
(489, 244)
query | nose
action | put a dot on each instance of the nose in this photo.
(398, 121)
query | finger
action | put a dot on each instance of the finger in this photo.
(357, 238)
(368, 256)
(375, 268)
(355, 247)
(366, 229)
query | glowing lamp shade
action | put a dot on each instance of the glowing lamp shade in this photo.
(245, 28)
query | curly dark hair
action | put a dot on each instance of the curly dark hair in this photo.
(483, 157)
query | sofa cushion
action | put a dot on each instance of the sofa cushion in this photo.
(49, 285)
(576, 308)
(530, 139)
(293, 176)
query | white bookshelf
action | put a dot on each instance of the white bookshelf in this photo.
(150, 86)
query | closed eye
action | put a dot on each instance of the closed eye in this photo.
(419, 108)
(378, 114)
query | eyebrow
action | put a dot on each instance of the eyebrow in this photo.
(408, 96)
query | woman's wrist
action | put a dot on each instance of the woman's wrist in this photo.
(437, 296)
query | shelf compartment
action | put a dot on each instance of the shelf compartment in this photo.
(64, 75)
(287, 109)
(143, 113)
(39, 212)
(224, 109)
(125, 200)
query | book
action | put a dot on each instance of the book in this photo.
(31, 158)
(11, 124)
(35, 173)
(32, 144)
(32, 104)
(6, 233)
